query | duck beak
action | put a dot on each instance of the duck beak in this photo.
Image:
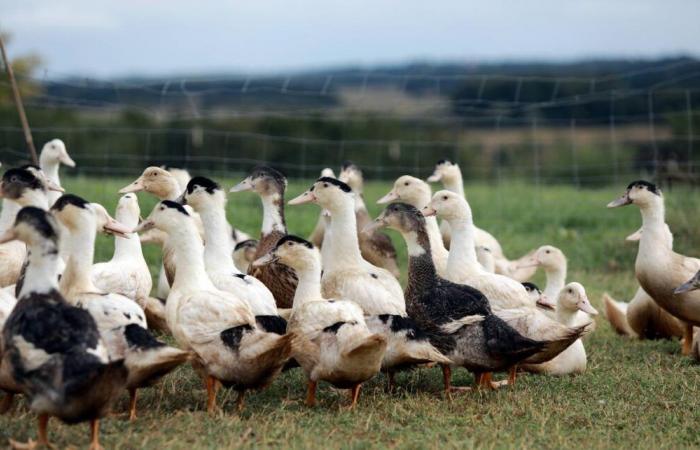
(434, 178)
(585, 306)
(622, 201)
(8, 236)
(265, 260)
(372, 227)
(392, 196)
(544, 303)
(428, 211)
(117, 229)
(686, 287)
(66, 160)
(136, 186)
(182, 199)
(243, 186)
(144, 226)
(306, 197)
(51, 186)
(531, 262)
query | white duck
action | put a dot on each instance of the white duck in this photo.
(206, 198)
(659, 269)
(244, 254)
(347, 275)
(508, 298)
(451, 176)
(318, 233)
(53, 154)
(217, 326)
(332, 341)
(642, 318)
(121, 321)
(571, 300)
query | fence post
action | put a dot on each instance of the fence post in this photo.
(18, 103)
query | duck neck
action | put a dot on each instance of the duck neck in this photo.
(8, 214)
(190, 271)
(455, 184)
(80, 248)
(421, 269)
(218, 248)
(653, 217)
(343, 228)
(273, 213)
(462, 256)
(654, 233)
(309, 285)
(41, 275)
(565, 315)
(50, 169)
(556, 279)
(127, 248)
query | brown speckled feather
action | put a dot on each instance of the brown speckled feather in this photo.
(279, 279)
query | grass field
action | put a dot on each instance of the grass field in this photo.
(635, 394)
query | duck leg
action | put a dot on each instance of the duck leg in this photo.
(687, 339)
(354, 395)
(512, 375)
(447, 381)
(212, 388)
(240, 401)
(390, 381)
(132, 404)
(43, 441)
(6, 403)
(487, 382)
(95, 435)
(311, 393)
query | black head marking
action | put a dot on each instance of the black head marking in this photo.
(250, 243)
(343, 187)
(651, 187)
(296, 239)
(268, 172)
(174, 205)
(530, 287)
(29, 166)
(69, 199)
(16, 181)
(410, 219)
(209, 185)
(349, 165)
(38, 219)
(443, 161)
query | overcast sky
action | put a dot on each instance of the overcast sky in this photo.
(165, 37)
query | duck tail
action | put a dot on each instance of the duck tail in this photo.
(267, 352)
(552, 348)
(368, 352)
(147, 359)
(508, 342)
(616, 313)
(407, 345)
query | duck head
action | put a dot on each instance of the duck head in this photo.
(78, 215)
(401, 217)
(263, 180)
(548, 257)
(641, 193)
(166, 216)
(244, 254)
(445, 171)
(573, 297)
(106, 224)
(690, 285)
(292, 251)
(202, 193)
(351, 175)
(54, 153)
(155, 181)
(408, 189)
(27, 186)
(182, 176)
(329, 193)
(36, 228)
(449, 206)
(128, 210)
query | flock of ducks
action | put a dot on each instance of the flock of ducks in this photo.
(76, 334)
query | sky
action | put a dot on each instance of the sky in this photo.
(158, 37)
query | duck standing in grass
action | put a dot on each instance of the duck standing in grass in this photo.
(660, 270)
(270, 185)
(331, 339)
(206, 198)
(121, 321)
(457, 318)
(217, 326)
(55, 350)
(348, 276)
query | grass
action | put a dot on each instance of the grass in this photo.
(635, 393)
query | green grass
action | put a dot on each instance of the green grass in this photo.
(634, 393)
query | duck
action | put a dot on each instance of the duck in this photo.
(641, 317)
(450, 175)
(376, 248)
(571, 300)
(658, 268)
(53, 349)
(347, 275)
(508, 298)
(318, 233)
(207, 198)
(332, 341)
(458, 317)
(270, 185)
(537, 296)
(416, 192)
(218, 327)
(121, 321)
(53, 154)
(244, 254)
(485, 257)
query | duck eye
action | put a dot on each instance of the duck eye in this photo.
(162, 208)
(569, 291)
(546, 251)
(406, 183)
(444, 197)
(325, 185)
(289, 244)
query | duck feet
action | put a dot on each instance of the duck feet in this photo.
(687, 347)
(95, 435)
(43, 441)
(132, 405)
(311, 394)
(212, 389)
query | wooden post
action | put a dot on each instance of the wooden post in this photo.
(18, 103)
